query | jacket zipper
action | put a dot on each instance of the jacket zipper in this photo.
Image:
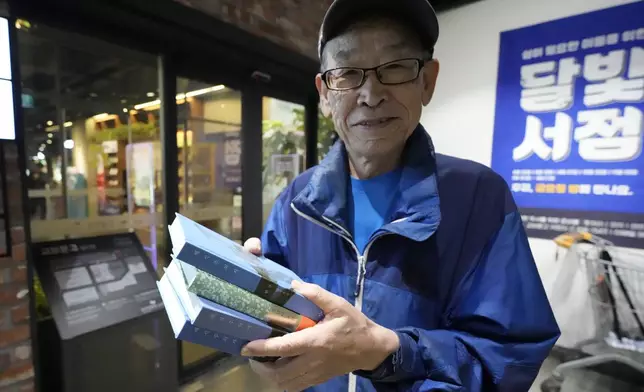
(362, 267)
(345, 234)
(362, 258)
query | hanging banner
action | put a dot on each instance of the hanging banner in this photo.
(569, 122)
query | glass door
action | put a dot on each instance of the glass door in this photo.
(283, 148)
(92, 107)
(209, 174)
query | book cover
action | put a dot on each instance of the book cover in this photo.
(217, 255)
(202, 284)
(184, 330)
(214, 316)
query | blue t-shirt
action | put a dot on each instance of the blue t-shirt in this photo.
(370, 203)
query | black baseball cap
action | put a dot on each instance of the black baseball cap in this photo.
(418, 15)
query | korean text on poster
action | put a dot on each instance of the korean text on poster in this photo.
(228, 163)
(570, 116)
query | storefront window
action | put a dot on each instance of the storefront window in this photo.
(92, 138)
(209, 143)
(283, 148)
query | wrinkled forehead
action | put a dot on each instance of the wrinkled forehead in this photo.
(372, 40)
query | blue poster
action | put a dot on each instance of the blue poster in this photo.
(228, 161)
(569, 123)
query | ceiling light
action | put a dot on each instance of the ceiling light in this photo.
(49, 141)
(124, 110)
(50, 123)
(182, 96)
(140, 106)
(205, 90)
(68, 124)
(50, 135)
(41, 156)
(68, 144)
(150, 94)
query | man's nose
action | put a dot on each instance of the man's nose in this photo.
(372, 93)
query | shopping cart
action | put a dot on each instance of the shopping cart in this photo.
(616, 280)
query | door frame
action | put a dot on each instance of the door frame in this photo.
(252, 93)
(188, 43)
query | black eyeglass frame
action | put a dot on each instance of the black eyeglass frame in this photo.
(421, 64)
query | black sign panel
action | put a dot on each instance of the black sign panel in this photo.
(5, 241)
(93, 283)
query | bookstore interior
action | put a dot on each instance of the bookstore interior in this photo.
(92, 115)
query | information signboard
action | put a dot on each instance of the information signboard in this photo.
(93, 283)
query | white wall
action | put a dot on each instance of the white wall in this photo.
(460, 118)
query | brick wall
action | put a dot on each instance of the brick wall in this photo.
(290, 23)
(16, 367)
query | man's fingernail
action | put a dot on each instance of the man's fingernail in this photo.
(245, 352)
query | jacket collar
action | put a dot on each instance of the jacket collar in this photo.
(417, 209)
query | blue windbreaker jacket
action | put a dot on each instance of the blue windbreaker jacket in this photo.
(452, 273)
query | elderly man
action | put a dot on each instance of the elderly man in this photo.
(419, 260)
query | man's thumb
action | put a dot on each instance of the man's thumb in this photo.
(254, 246)
(325, 300)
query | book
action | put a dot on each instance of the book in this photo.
(206, 314)
(184, 330)
(217, 255)
(202, 284)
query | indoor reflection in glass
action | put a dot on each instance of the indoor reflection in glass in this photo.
(209, 142)
(209, 177)
(283, 148)
(87, 116)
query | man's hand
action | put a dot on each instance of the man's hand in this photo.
(344, 341)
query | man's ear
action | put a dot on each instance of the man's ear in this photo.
(323, 91)
(430, 75)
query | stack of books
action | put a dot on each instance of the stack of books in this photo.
(219, 295)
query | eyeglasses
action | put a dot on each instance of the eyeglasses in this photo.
(391, 73)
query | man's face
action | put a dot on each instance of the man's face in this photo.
(375, 119)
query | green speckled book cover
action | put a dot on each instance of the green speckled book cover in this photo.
(217, 290)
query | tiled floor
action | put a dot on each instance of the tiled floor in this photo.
(229, 375)
(234, 375)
